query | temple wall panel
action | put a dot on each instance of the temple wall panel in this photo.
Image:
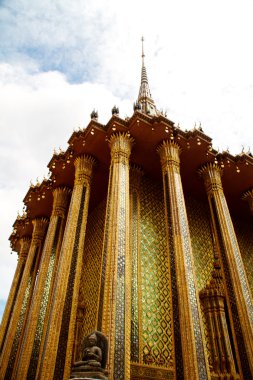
(245, 240)
(201, 238)
(202, 248)
(156, 337)
(89, 286)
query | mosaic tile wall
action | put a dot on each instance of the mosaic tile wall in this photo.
(179, 366)
(63, 338)
(202, 246)
(89, 287)
(43, 306)
(232, 300)
(22, 316)
(156, 344)
(244, 233)
(201, 238)
(134, 222)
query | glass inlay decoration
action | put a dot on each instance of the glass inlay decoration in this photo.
(244, 232)
(104, 254)
(43, 306)
(193, 294)
(22, 316)
(119, 363)
(90, 279)
(234, 311)
(239, 263)
(13, 304)
(156, 318)
(174, 289)
(202, 247)
(201, 239)
(134, 222)
(63, 338)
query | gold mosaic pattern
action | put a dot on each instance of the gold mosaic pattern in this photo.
(135, 284)
(232, 300)
(156, 341)
(19, 277)
(203, 250)
(239, 263)
(201, 238)
(120, 317)
(244, 232)
(20, 326)
(64, 333)
(43, 306)
(142, 372)
(89, 286)
(193, 294)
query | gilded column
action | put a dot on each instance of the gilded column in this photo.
(29, 354)
(56, 353)
(236, 281)
(24, 249)
(17, 323)
(115, 289)
(136, 333)
(189, 349)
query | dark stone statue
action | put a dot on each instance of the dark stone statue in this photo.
(94, 358)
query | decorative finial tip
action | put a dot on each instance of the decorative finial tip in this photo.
(142, 43)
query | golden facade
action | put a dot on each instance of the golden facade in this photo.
(142, 232)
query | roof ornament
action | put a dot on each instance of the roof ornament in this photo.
(115, 111)
(145, 103)
(94, 115)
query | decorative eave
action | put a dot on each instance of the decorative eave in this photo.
(22, 227)
(93, 124)
(39, 199)
(140, 116)
(58, 157)
(163, 119)
(61, 162)
(199, 133)
(116, 124)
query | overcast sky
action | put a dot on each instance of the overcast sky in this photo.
(59, 59)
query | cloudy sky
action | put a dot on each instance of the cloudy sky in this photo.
(59, 59)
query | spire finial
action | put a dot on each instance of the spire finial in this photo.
(145, 102)
(142, 45)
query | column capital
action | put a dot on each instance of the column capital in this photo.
(61, 199)
(121, 145)
(39, 229)
(25, 243)
(211, 174)
(169, 153)
(84, 166)
(248, 197)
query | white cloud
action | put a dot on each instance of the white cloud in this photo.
(38, 113)
(199, 62)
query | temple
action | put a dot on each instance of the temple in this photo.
(142, 238)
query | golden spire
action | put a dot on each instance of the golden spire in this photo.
(145, 102)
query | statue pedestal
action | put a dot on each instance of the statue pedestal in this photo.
(88, 376)
(82, 372)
